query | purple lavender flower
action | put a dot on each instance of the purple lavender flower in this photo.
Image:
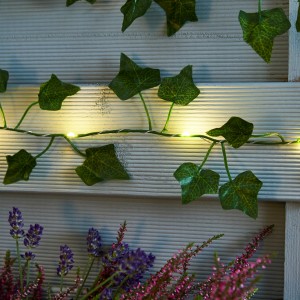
(106, 294)
(66, 261)
(28, 255)
(93, 241)
(33, 236)
(15, 220)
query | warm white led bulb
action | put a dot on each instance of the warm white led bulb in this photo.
(185, 133)
(71, 134)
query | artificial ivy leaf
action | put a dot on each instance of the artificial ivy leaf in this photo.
(54, 92)
(70, 2)
(132, 10)
(298, 18)
(133, 79)
(241, 193)
(20, 166)
(101, 163)
(259, 31)
(236, 131)
(178, 12)
(179, 89)
(195, 183)
(3, 80)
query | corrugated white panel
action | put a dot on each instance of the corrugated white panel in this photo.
(151, 160)
(160, 226)
(83, 43)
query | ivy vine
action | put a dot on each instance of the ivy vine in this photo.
(259, 28)
(102, 163)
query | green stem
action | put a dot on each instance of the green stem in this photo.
(98, 287)
(20, 267)
(225, 161)
(168, 118)
(28, 275)
(206, 156)
(85, 278)
(3, 115)
(259, 10)
(269, 134)
(47, 148)
(61, 282)
(146, 110)
(74, 146)
(25, 113)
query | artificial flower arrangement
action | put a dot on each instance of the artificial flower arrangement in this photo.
(120, 276)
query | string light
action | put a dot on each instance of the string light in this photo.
(185, 133)
(71, 134)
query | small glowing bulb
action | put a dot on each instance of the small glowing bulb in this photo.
(185, 133)
(71, 134)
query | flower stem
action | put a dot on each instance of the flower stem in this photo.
(25, 113)
(61, 282)
(168, 118)
(3, 115)
(85, 278)
(95, 289)
(47, 148)
(225, 161)
(20, 267)
(28, 275)
(259, 10)
(146, 110)
(74, 147)
(206, 156)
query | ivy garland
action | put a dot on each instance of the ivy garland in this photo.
(101, 163)
(259, 29)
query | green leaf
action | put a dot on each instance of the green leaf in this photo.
(236, 131)
(241, 193)
(54, 92)
(178, 12)
(298, 18)
(20, 166)
(132, 10)
(101, 163)
(70, 2)
(179, 89)
(3, 80)
(260, 30)
(195, 183)
(133, 79)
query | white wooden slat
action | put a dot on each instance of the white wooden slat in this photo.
(160, 226)
(83, 43)
(152, 160)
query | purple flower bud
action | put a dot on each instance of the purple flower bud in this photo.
(15, 220)
(66, 261)
(28, 256)
(93, 241)
(33, 236)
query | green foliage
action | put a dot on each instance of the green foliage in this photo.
(70, 2)
(101, 163)
(179, 89)
(132, 10)
(260, 29)
(241, 193)
(178, 12)
(196, 182)
(54, 92)
(20, 166)
(236, 131)
(133, 79)
(298, 18)
(3, 80)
